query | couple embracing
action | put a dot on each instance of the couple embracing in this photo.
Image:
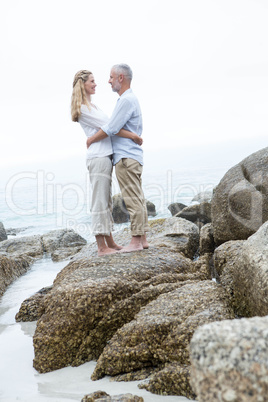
(113, 141)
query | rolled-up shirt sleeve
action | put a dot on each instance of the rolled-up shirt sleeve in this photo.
(119, 118)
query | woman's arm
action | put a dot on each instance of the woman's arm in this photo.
(100, 135)
(132, 136)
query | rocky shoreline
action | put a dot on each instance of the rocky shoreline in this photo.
(182, 315)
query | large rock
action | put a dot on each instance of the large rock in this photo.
(178, 234)
(161, 331)
(230, 361)
(240, 201)
(28, 246)
(32, 308)
(3, 234)
(92, 298)
(62, 243)
(120, 212)
(242, 269)
(101, 396)
(176, 207)
(11, 268)
(207, 244)
(173, 379)
(200, 214)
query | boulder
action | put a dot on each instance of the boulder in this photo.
(229, 361)
(242, 269)
(206, 244)
(200, 214)
(92, 297)
(33, 307)
(120, 212)
(240, 201)
(28, 246)
(62, 243)
(10, 269)
(176, 233)
(176, 207)
(160, 332)
(173, 379)
(3, 234)
(203, 196)
(101, 396)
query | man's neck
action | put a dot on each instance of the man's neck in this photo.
(123, 89)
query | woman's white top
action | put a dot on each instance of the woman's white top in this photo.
(91, 121)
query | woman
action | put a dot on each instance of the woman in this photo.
(99, 159)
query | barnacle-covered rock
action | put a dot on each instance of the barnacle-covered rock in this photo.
(62, 243)
(161, 331)
(28, 246)
(101, 396)
(173, 379)
(242, 268)
(11, 268)
(229, 360)
(240, 201)
(32, 308)
(91, 299)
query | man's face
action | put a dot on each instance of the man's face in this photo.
(114, 81)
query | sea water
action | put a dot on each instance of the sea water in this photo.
(36, 203)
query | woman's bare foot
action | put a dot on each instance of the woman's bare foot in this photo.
(106, 251)
(111, 243)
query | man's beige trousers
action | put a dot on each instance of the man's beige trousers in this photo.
(128, 172)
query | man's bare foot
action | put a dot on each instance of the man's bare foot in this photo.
(106, 251)
(134, 245)
(144, 242)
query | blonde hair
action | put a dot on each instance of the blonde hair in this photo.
(79, 93)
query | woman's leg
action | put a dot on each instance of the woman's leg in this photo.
(103, 249)
(100, 173)
(111, 243)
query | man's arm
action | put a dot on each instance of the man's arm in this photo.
(100, 135)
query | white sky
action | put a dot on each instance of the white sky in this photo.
(200, 71)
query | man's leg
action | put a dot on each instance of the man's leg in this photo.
(128, 173)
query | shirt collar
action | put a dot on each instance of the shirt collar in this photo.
(129, 90)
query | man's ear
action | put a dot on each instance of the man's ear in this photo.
(120, 77)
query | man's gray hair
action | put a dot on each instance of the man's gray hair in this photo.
(123, 69)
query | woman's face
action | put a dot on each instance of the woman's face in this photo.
(90, 85)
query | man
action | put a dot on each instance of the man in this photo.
(127, 155)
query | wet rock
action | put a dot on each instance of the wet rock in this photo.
(101, 396)
(120, 212)
(33, 307)
(177, 234)
(62, 243)
(200, 214)
(161, 331)
(173, 379)
(240, 201)
(176, 207)
(242, 268)
(3, 234)
(207, 244)
(203, 196)
(10, 269)
(229, 361)
(150, 208)
(91, 299)
(23, 246)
